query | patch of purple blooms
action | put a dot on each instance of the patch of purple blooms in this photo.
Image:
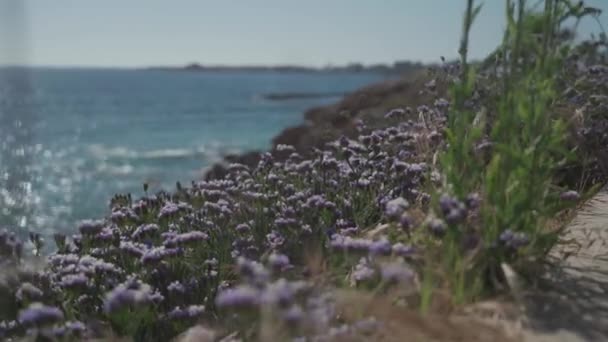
(37, 314)
(128, 294)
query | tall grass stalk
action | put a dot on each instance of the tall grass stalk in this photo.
(528, 145)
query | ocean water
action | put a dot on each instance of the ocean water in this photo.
(71, 138)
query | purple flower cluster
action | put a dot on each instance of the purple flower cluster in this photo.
(28, 292)
(363, 271)
(453, 210)
(514, 240)
(74, 281)
(397, 273)
(130, 293)
(91, 227)
(145, 230)
(243, 296)
(186, 239)
(189, 312)
(395, 208)
(37, 314)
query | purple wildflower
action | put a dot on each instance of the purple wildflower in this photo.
(242, 228)
(275, 240)
(455, 216)
(75, 327)
(242, 296)
(294, 314)
(146, 229)
(400, 166)
(363, 271)
(130, 248)
(396, 273)
(278, 261)
(473, 200)
(186, 239)
(56, 331)
(514, 240)
(394, 208)
(252, 270)
(380, 247)
(152, 256)
(74, 281)
(437, 227)
(27, 291)
(176, 287)
(106, 267)
(453, 210)
(283, 222)
(90, 227)
(280, 292)
(363, 182)
(155, 297)
(106, 234)
(168, 235)
(343, 141)
(157, 254)
(405, 221)
(357, 245)
(417, 168)
(63, 259)
(127, 294)
(118, 215)
(400, 249)
(37, 314)
(169, 209)
(189, 312)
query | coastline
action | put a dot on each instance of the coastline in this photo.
(323, 124)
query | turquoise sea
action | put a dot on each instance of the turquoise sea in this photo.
(71, 138)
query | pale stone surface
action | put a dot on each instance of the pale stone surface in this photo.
(573, 297)
(560, 336)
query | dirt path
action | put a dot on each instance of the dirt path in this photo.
(573, 297)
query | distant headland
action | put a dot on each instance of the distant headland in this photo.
(399, 67)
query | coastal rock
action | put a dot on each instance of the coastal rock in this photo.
(326, 123)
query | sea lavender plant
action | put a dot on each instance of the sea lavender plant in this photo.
(37, 314)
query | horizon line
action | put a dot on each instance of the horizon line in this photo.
(217, 65)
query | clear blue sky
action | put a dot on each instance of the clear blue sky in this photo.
(129, 33)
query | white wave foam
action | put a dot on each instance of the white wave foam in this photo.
(208, 152)
(168, 153)
(102, 152)
(116, 170)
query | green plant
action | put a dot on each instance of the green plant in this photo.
(527, 143)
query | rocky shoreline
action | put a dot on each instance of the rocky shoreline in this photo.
(326, 123)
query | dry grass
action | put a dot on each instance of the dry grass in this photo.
(401, 324)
